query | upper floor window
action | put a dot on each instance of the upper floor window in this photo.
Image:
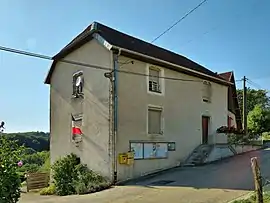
(207, 91)
(154, 80)
(78, 84)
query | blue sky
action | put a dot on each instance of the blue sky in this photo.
(221, 35)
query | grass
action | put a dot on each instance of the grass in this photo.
(252, 199)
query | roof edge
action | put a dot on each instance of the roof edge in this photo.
(221, 80)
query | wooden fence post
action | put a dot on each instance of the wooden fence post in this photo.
(257, 179)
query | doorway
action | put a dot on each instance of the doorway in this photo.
(205, 129)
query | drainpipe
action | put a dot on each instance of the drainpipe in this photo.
(115, 112)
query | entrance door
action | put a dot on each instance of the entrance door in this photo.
(205, 126)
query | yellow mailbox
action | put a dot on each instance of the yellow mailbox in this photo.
(130, 158)
(122, 158)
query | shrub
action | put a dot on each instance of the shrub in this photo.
(46, 167)
(10, 155)
(71, 177)
(64, 173)
(51, 190)
(88, 181)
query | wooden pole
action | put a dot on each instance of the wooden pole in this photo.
(245, 105)
(257, 179)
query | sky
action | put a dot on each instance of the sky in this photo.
(222, 35)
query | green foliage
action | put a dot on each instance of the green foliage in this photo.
(34, 162)
(51, 190)
(46, 167)
(258, 120)
(64, 173)
(37, 141)
(71, 177)
(255, 97)
(252, 199)
(266, 135)
(10, 155)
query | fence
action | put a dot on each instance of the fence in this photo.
(37, 181)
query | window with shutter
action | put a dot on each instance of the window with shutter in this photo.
(154, 121)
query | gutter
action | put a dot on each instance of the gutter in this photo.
(170, 64)
(115, 112)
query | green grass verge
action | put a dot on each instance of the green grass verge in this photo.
(252, 199)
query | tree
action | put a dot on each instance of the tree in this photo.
(254, 97)
(10, 156)
(258, 120)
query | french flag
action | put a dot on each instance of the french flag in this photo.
(76, 130)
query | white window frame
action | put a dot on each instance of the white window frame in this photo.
(162, 123)
(206, 99)
(161, 80)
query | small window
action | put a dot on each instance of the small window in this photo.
(155, 121)
(207, 91)
(78, 84)
(154, 80)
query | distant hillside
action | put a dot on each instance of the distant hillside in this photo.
(38, 141)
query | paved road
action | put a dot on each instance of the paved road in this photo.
(214, 183)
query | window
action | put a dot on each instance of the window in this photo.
(78, 84)
(76, 128)
(154, 80)
(207, 91)
(155, 121)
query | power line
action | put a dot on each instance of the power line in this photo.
(217, 26)
(256, 85)
(173, 25)
(41, 56)
(178, 21)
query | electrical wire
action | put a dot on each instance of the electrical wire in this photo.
(40, 56)
(178, 21)
(173, 25)
(256, 85)
(216, 27)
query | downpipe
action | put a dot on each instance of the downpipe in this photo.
(115, 112)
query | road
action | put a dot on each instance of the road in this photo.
(213, 183)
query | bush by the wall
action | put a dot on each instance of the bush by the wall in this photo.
(64, 172)
(71, 177)
(51, 190)
(10, 156)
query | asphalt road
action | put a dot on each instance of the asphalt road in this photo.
(214, 183)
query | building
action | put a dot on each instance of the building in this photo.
(234, 113)
(126, 94)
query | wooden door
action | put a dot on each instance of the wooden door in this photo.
(205, 126)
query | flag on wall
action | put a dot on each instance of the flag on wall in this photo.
(76, 130)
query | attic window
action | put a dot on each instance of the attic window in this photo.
(78, 84)
(207, 92)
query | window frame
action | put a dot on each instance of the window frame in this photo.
(207, 88)
(161, 83)
(155, 108)
(75, 75)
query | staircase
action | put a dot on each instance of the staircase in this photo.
(198, 156)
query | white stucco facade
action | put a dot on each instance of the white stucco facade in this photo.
(182, 106)
(94, 149)
(181, 103)
(233, 119)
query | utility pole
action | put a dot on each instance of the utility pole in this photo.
(245, 105)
